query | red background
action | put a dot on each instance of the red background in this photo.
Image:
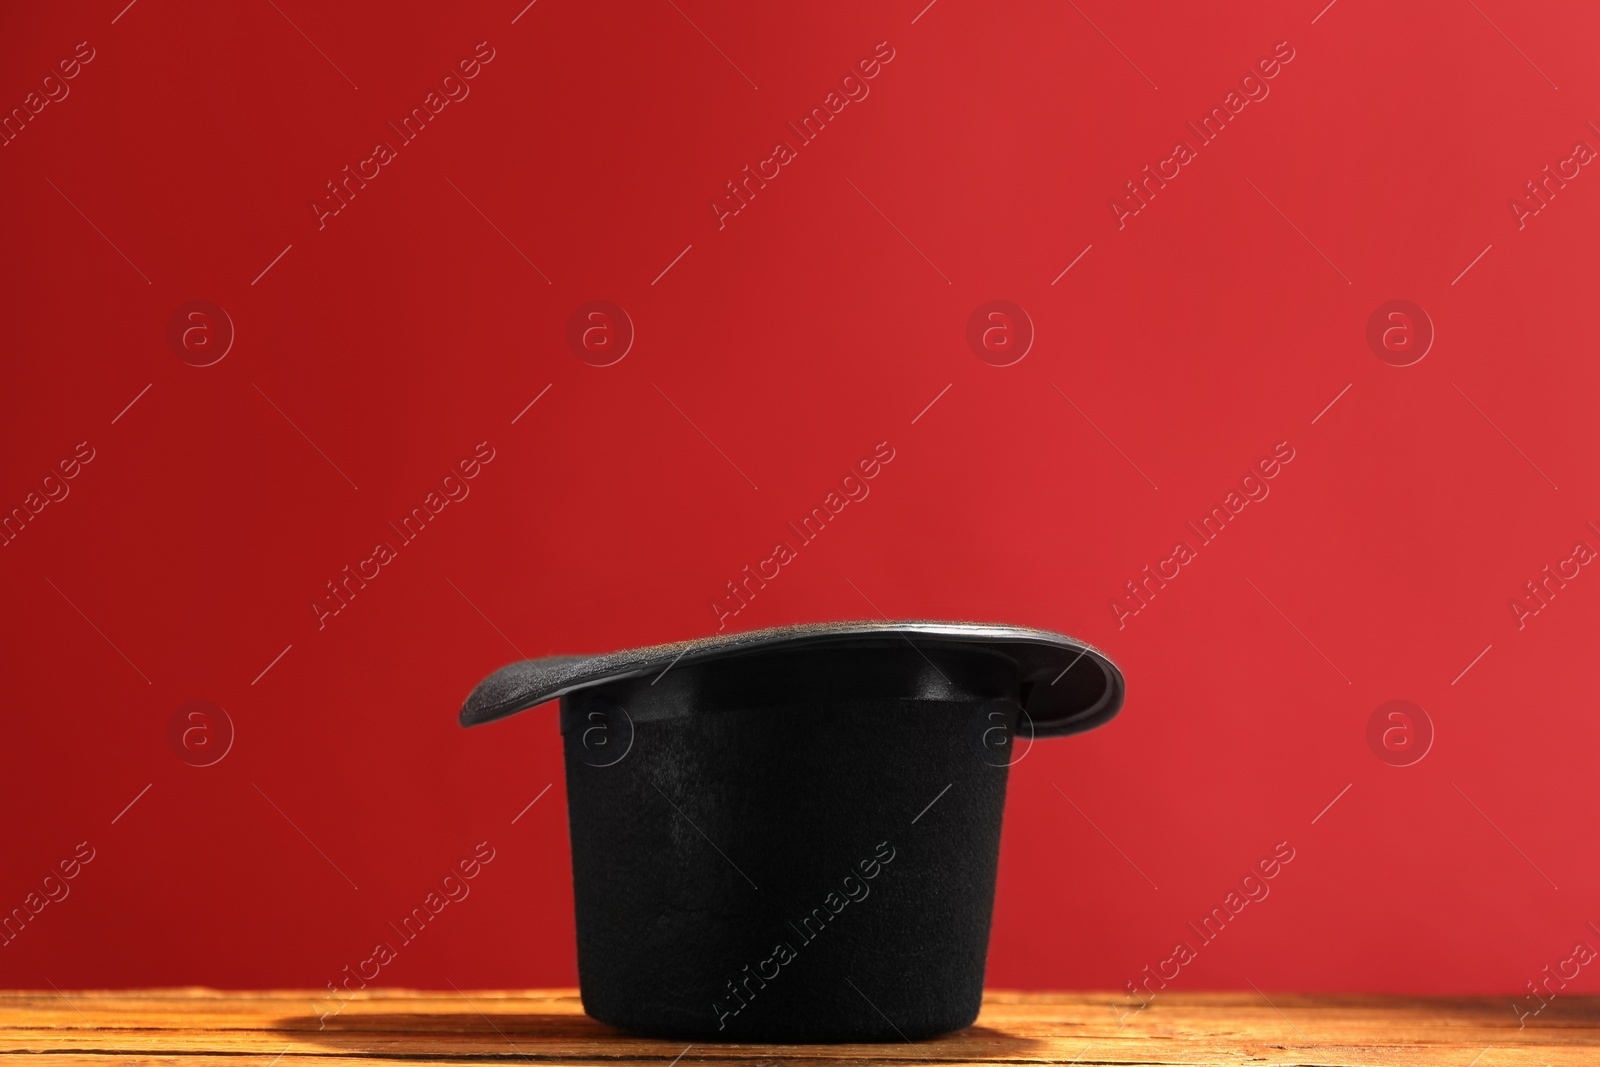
(1221, 320)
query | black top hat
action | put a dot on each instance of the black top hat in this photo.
(792, 834)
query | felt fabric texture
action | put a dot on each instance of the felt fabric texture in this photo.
(1066, 685)
(796, 862)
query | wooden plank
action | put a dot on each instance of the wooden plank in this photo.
(199, 1028)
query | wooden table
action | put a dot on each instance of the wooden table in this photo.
(199, 1027)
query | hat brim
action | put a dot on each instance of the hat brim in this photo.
(1068, 686)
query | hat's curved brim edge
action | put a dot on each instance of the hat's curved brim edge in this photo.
(1044, 656)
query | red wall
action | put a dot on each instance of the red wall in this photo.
(374, 349)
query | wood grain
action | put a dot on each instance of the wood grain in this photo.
(206, 1028)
